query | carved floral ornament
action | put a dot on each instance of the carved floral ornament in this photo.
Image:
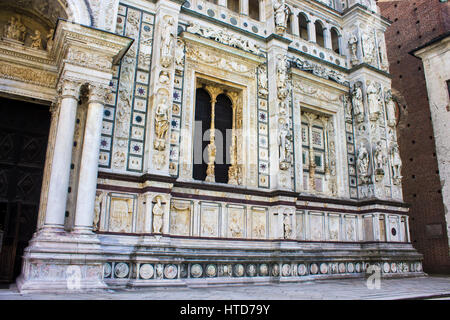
(226, 37)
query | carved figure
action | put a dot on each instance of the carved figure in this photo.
(36, 40)
(285, 146)
(262, 82)
(347, 107)
(390, 109)
(167, 40)
(357, 101)
(396, 164)
(158, 212)
(282, 12)
(363, 162)
(15, 30)
(373, 100)
(287, 227)
(161, 124)
(353, 45)
(49, 38)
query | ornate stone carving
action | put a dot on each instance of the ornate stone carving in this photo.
(384, 62)
(390, 109)
(180, 217)
(319, 70)
(363, 163)
(97, 210)
(89, 59)
(396, 164)
(263, 89)
(167, 41)
(15, 30)
(374, 100)
(285, 146)
(158, 214)
(368, 42)
(28, 75)
(179, 53)
(225, 37)
(121, 214)
(357, 101)
(347, 107)
(315, 91)
(281, 15)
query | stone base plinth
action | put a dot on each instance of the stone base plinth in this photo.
(62, 262)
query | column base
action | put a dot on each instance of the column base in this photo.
(62, 262)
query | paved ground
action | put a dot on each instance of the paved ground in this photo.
(433, 287)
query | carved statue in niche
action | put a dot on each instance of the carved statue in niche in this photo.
(49, 38)
(285, 146)
(167, 41)
(390, 109)
(36, 41)
(262, 81)
(347, 107)
(357, 101)
(396, 164)
(282, 12)
(353, 46)
(384, 62)
(368, 47)
(287, 227)
(380, 160)
(158, 213)
(15, 30)
(363, 163)
(97, 210)
(373, 100)
(161, 123)
(235, 228)
(282, 77)
(121, 215)
(179, 53)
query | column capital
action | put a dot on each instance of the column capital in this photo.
(69, 88)
(97, 93)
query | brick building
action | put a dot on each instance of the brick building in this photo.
(415, 23)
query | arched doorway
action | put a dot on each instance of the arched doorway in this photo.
(24, 129)
(201, 136)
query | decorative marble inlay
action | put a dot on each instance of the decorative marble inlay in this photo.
(146, 271)
(121, 270)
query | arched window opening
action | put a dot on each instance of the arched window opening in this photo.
(223, 126)
(289, 29)
(319, 33)
(201, 136)
(303, 26)
(233, 5)
(335, 40)
(253, 9)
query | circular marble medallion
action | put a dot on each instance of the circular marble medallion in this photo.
(358, 267)
(121, 270)
(275, 270)
(350, 267)
(301, 269)
(314, 268)
(239, 270)
(146, 271)
(107, 270)
(394, 267)
(170, 271)
(323, 268)
(211, 270)
(251, 270)
(196, 270)
(386, 267)
(286, 270)
(341, 267)
(418, 266)
(263, 270)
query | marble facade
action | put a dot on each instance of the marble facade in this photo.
(314, 185)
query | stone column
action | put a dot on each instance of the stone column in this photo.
(89, 161)
(262, 11)
(311, 31)
(244, 7)
(58, 182)
(327, 36)
(295, 25)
